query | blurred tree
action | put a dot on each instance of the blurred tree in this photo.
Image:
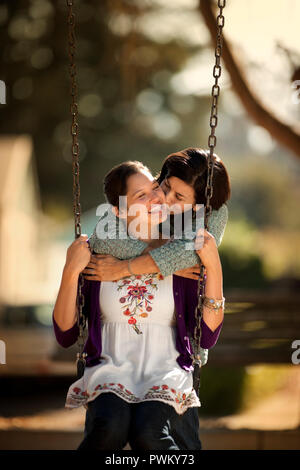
(253, 105)
(266, 195)
(127, 109)
(240, 255)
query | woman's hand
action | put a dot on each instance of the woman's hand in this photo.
(105, 268)
(78, 255)
(190, 273)
(206, 248)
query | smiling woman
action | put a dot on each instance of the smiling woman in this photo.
(143, 195)
(138, 381)
(144, 320)
(183, 179)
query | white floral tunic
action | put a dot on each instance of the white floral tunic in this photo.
(138, 327)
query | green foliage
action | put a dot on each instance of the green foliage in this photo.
(266, 192)
(228, 390)
(241, 260)
(244, 273)
(114, 64)
(221, 390)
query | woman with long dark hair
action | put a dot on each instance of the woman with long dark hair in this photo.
(183, 179)
(136, 387)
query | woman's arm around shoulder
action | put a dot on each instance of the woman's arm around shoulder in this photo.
(110, 238)
(180, 254)
(168, 259)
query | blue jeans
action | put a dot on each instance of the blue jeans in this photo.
(111, 423)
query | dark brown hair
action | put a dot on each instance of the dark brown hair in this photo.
(115, 181)
(191, 166)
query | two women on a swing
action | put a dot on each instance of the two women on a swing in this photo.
(140, 297)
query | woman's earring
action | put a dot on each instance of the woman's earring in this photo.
(193, 214)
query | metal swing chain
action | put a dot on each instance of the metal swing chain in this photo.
(212, 141)
(81, 321)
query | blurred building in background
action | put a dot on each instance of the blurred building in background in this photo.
(26, 234)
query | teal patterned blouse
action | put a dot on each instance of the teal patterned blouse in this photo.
(170, 257)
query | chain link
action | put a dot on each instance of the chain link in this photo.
(81, 320)
(212, 141)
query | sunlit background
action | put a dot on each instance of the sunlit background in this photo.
(144, 72)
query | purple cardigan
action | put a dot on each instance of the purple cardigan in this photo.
(185, 298)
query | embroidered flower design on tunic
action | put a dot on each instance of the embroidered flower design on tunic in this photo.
(157, 392)
(137, 294)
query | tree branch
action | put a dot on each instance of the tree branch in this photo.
(279, 131)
